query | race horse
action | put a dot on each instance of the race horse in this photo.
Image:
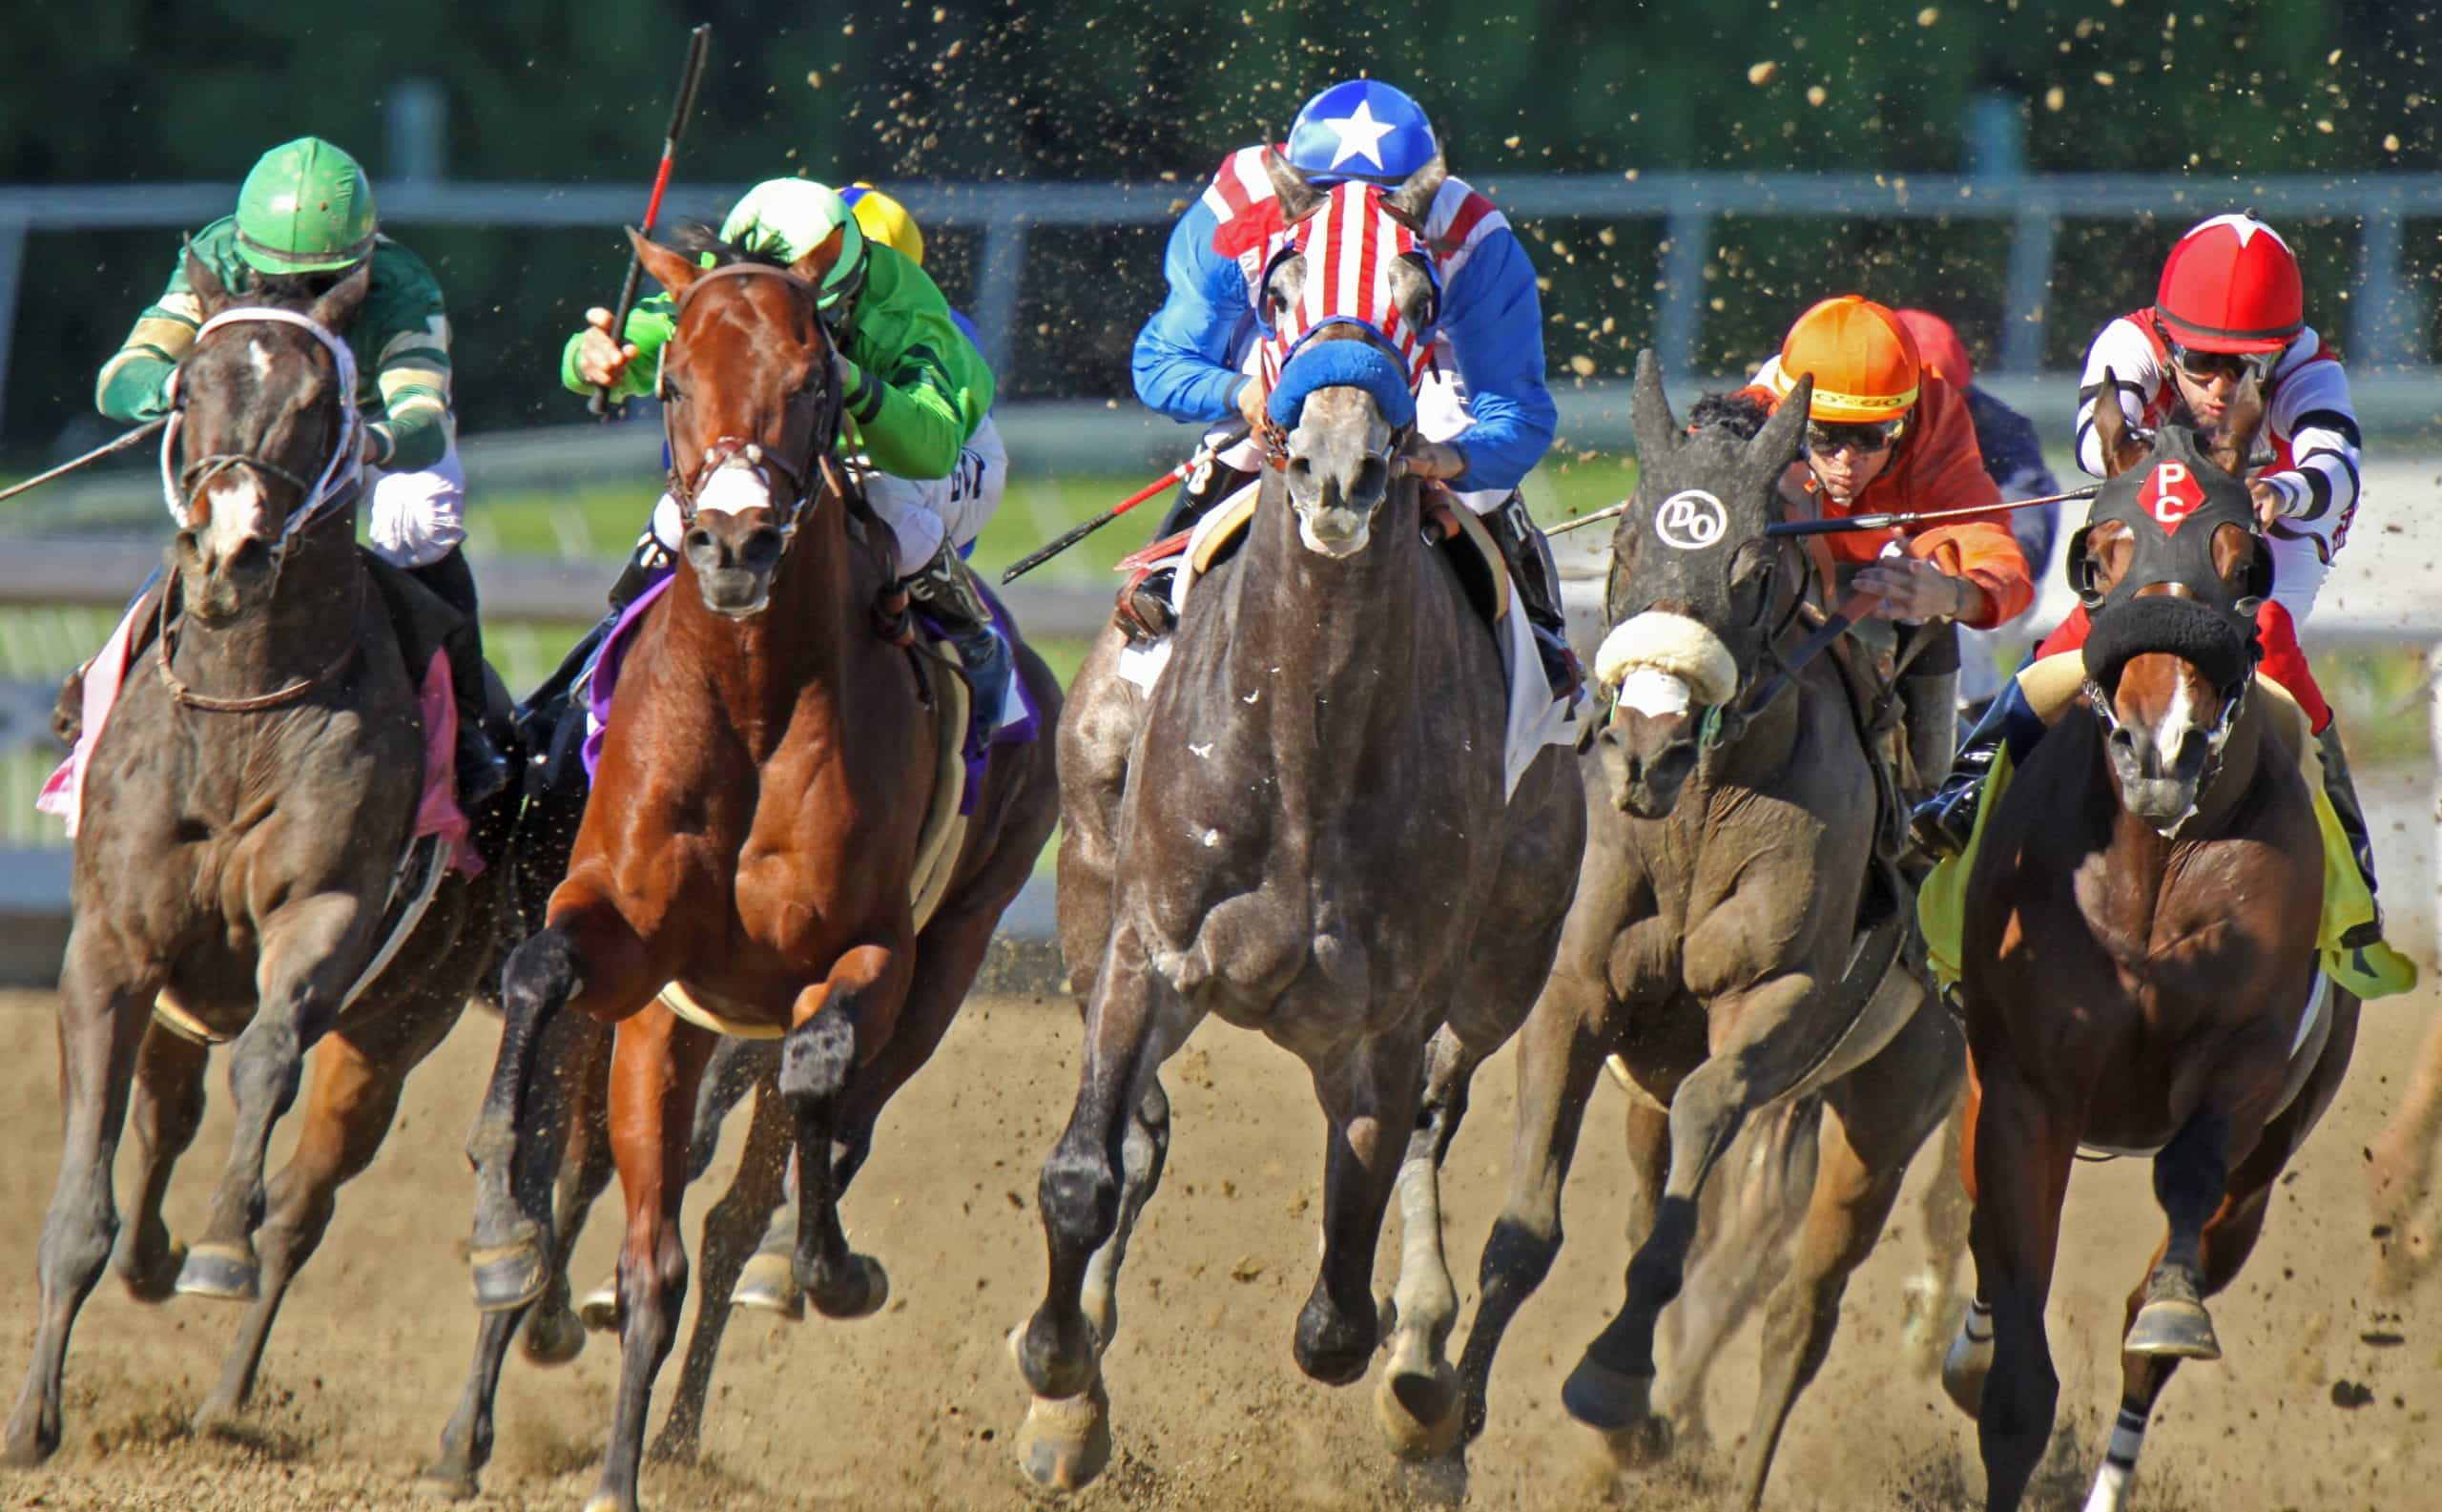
(767, 779)
(1735, 942)
(1304, 830)
(243, 861)
(2140, 964)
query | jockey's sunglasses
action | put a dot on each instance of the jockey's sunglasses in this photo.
(1823, 438)
(2205, 366)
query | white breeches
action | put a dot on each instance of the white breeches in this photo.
(921, 513)
(419, 517)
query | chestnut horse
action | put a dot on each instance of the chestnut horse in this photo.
(238, 854)
(752, 830)
(2140, 963)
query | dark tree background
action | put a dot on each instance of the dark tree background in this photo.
(548, 92)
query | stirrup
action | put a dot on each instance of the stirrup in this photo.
(1942, 825)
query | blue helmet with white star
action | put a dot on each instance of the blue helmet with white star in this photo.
(1360, 129)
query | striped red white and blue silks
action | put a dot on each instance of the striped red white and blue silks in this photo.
(1350, 245)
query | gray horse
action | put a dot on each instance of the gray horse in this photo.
(1731, 942)
(246, 810)
(1303, 830)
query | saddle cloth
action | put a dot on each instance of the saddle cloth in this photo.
(1536, 719)
(2051, 686)
(437, 811)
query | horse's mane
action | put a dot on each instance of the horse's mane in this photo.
(697, 237)
(288, 291)
(1741, 414)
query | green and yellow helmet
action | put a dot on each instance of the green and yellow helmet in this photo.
(305, 208)
(885, 221)
(789, 217)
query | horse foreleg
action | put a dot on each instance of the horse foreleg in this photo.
(1370, 1099)
(101, 1022)
(1418, 1402)
(730, 1231)
(1932, 1292)
(565, 1136)
(1560, 1056)
(2020, 1149)
(588, 954)
(169, 1109)
(1133, 1023)
(356, 1080)
(836, 1019)
(1611, 1389)
(310, 953)
(1873, 1122)
(653, 1074)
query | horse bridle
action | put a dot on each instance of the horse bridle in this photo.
(343, 474)
(725, 451)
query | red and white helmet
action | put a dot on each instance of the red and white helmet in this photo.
(2231, 285)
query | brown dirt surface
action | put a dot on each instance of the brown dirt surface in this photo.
(914, 1408)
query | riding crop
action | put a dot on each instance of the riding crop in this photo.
(1028, 564)
(698, 44)
(115, 444)
(1839, 524)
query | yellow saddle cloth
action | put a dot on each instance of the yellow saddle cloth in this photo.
(2051, 685)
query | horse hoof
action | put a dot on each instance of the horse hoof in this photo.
(157, 1281)
(2173, 1323)
(509, 1276)
(861, 1294)
(222, 1272)
(769, 1284)
(1606, 1399)
(28, 1449)
(216, 1419)
(598, 1309)
(1419, 1410)
(435, 1484)
(553, 1335)
(1064, 1442)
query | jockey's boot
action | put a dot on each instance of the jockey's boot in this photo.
(1537, 580)
(1144, 612)
(1942, 824)
(1929, 723)
(949, 597)
(482, 771)
(2342, 790)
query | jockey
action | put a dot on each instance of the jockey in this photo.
(1484, 412)
(306, 210)
(2014, 456)
(1887, 432)
(918, 402)
(2230, 308)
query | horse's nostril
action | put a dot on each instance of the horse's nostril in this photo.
(1373, 478)
(698, 540)
(762, 549)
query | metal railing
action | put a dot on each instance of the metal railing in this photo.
(2386, 327)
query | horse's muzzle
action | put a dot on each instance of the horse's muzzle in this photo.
(1647, 759)
(216, 584)
(2159, 784)
(734, 561)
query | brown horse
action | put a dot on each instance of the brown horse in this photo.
(754, 827)
(2139, 947)
(1734, 942)
(246, 811)
(1304, 829)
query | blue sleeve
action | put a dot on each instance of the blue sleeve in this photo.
(1182, 363)
(1496, 331)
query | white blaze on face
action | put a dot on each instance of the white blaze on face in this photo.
(238, 511)
(2179, 717)
(731, 490)
(1653, 693)
(258, 357)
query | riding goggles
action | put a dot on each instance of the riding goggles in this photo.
(2205, 366)
(1823, 438)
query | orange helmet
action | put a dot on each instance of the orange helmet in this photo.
(1864, 361)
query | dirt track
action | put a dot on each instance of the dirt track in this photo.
(914, 1408)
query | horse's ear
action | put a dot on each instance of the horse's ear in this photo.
(672, 270)
(2235, 440)
(339, 303)
(1413, 201)
(205, 285)
(1657, 430)
(816, 264)
(1776, 444)
(1297, 197)
(2119, 452)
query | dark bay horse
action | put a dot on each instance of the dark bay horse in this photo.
(752, 830)
(245, 814)
(1730, 943)
(1304, 831)
(2139, 967)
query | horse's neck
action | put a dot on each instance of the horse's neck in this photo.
(809, 641)
(309, 616)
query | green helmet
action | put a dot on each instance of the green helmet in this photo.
(789, 217)
(305, 208)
